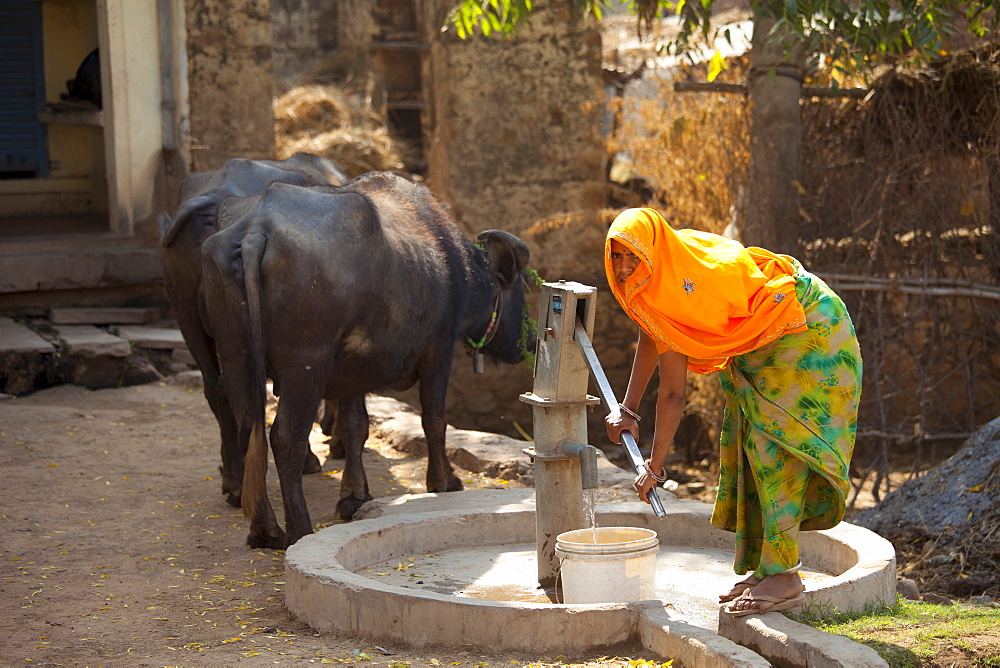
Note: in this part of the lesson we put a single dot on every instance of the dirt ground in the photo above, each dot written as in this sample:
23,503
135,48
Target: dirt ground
118,546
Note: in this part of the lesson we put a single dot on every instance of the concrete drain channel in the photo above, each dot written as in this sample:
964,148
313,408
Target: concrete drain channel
459,570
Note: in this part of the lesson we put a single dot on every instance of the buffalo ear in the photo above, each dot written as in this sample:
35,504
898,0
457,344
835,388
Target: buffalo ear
506,255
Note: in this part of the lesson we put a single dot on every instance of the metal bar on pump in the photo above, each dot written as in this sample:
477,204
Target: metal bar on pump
611,406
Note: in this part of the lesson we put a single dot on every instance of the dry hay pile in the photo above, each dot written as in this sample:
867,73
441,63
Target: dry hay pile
693,150
337,124
915,155
945,525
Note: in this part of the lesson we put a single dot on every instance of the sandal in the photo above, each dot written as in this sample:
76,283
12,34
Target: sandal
740,588
773,603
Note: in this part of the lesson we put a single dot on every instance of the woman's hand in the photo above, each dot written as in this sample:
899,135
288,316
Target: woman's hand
643,483
624,422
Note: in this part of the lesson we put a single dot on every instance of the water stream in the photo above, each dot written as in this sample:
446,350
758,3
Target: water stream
590,508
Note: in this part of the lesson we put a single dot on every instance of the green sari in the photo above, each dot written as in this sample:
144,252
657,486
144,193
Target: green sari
788,433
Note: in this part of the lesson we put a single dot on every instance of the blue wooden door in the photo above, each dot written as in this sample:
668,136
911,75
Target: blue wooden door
23,152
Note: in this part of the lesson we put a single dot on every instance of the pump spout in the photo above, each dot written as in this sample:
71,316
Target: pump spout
587,454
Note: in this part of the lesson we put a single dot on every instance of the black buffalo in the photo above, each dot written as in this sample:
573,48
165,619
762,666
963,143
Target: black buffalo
338,292
198,217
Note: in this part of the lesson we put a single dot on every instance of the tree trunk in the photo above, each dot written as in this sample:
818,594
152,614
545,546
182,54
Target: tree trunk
774,86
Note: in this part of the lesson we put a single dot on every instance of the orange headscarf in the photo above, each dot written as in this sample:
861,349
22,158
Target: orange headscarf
702,295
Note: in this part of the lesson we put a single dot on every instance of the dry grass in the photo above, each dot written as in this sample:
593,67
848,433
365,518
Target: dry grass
693,149
339,124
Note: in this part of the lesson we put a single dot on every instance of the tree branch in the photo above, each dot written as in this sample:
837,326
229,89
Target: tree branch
740,89
940,287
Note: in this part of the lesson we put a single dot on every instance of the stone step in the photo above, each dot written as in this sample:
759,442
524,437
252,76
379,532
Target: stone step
153,338
91,341
42,354
17,338
26,359
102,316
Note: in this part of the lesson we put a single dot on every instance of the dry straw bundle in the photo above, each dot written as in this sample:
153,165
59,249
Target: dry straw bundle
337,124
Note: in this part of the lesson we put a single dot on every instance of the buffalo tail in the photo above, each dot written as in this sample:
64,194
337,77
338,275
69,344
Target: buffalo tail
255,463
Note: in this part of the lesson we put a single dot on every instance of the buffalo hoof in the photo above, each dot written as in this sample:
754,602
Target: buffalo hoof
232,487
452,484
261,539
349,505
336,448
312,464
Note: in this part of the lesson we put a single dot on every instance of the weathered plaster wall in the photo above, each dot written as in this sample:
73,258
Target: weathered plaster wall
305,34
324,39
230,80
517,121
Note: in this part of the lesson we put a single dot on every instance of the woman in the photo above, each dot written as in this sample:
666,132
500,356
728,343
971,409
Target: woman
790,366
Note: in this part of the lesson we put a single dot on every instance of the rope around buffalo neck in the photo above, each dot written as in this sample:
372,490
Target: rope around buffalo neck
491,328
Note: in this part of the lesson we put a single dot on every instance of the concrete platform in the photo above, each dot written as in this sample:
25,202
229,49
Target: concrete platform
459,569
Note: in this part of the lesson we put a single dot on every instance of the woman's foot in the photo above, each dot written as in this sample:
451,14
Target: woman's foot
740,587
775,592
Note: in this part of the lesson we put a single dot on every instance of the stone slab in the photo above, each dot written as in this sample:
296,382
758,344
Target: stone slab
101,316
90,341
398,424
26,359
16,338
663,631
154,338
786,642
83,268
183,356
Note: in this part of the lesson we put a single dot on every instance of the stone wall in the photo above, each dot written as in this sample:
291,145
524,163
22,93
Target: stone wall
305,34
513,126
516,122
230,78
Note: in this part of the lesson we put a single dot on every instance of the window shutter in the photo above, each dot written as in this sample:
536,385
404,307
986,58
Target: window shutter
22,90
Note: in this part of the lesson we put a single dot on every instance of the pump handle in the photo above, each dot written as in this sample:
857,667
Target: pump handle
611,406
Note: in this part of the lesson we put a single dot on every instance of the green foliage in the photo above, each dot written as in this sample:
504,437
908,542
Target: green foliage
528,325
852,35
856,36
528,329
532,279
489,16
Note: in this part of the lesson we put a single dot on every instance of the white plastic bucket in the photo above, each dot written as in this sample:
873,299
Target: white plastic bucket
619,567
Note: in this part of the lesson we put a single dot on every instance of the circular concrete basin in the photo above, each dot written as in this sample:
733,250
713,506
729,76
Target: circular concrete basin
452,570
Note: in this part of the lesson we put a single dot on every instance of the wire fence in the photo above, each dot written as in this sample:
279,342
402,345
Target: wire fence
903,192
900,215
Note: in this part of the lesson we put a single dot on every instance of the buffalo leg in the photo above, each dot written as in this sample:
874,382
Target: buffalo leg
264,529
232,453
352,425
290,444
433,390
202,348
312,463
328,423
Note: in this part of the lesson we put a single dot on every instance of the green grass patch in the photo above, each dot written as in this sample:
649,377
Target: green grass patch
911,633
